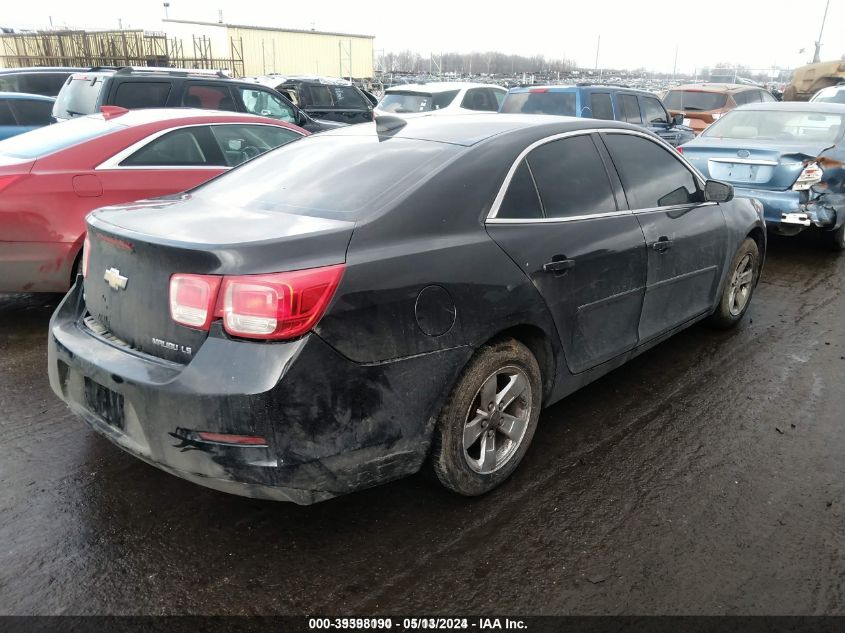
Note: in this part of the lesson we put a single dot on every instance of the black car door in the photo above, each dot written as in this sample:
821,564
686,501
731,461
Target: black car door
686,237
560,222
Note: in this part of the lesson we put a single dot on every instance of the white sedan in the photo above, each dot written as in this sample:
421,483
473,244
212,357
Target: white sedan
440,98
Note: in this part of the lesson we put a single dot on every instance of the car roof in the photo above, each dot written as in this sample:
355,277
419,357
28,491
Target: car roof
439,86
820,107
314,79
717,87
470,130
590,87
25,95
146,116
42,69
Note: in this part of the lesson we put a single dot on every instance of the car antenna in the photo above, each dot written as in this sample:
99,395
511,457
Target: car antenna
387,124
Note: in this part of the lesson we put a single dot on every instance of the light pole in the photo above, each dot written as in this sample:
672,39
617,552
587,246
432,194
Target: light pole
817,54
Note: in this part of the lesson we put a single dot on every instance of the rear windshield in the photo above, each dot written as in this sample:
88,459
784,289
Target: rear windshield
78,97
342,177
559,103
337,97
694,100
778,125
831,95
407,101
52,138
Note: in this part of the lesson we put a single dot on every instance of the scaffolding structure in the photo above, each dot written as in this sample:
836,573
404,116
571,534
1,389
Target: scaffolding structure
113,48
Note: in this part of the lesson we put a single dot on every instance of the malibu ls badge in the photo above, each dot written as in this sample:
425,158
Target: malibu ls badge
115,280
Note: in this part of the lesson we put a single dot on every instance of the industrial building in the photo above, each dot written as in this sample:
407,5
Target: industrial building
287,51
242,50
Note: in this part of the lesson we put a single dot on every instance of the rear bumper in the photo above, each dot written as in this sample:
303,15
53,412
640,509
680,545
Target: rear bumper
332,426
35,266
788,212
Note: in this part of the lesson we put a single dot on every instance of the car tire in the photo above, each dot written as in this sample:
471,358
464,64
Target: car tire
739,286
835,240
487,424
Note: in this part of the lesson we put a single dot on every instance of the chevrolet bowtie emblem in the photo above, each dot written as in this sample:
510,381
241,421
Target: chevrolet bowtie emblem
115,279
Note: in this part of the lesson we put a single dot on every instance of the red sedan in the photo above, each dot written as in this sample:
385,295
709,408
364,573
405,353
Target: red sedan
52,177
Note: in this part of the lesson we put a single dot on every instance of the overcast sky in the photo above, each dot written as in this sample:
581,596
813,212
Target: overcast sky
634,33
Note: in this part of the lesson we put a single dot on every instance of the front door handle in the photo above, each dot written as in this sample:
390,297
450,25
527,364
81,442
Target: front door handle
559,265
662,244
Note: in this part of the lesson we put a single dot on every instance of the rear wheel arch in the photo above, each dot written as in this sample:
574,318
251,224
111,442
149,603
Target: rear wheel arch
539,344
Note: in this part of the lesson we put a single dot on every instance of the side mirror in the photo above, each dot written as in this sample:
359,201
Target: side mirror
677,119
718,191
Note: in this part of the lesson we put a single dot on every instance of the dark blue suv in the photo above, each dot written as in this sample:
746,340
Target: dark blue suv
600,102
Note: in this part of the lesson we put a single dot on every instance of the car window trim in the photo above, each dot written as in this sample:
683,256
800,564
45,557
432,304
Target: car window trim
113,163
500,196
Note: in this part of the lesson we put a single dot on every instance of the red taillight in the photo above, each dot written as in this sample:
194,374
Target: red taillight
535,90
277,306
192,299
86,254
5,181
226,438
680,150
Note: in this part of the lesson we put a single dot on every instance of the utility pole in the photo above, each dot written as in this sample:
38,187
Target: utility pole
817,55
675,65
598,47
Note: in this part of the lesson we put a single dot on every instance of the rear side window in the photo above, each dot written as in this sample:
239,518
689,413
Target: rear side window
521,200
78,97
337,96
188,147
601,106
652,176
208,97
31,112
142,94
765,97
441,100
52,138
630,109
557,103
747,96
571,178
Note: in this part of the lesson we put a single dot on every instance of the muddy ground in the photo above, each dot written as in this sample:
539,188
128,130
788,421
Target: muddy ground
706,476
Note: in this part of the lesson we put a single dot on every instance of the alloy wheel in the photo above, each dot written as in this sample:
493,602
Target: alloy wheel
497,420
741,285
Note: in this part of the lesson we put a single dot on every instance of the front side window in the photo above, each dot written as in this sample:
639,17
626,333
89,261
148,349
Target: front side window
521,201
765,97
630,107
653,111
189,147
142,94
238,143
6,116
443,99
571,178
265,103
652,176
601,106
337,96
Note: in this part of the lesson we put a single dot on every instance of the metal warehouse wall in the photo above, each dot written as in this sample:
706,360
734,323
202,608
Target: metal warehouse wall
266,51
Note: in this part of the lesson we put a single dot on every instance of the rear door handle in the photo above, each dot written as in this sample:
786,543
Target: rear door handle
662,244
559,265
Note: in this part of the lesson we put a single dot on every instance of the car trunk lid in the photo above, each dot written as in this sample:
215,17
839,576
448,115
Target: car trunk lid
133,255
751,163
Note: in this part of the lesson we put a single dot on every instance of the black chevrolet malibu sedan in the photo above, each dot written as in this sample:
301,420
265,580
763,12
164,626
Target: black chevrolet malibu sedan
349,308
